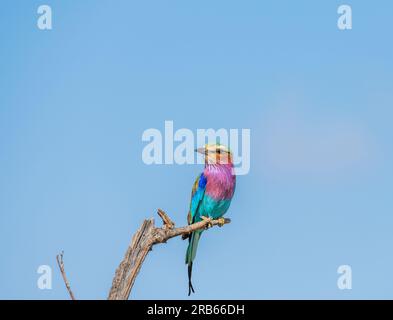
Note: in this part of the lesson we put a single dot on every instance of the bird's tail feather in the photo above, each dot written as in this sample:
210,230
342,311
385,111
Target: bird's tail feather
190,256
190,287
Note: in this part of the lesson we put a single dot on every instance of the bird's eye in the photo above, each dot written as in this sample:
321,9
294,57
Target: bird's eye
218,151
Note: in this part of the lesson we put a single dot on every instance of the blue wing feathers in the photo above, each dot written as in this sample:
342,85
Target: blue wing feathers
202,182
197,196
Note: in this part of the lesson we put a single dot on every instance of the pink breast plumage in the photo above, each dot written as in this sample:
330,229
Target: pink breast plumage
221,181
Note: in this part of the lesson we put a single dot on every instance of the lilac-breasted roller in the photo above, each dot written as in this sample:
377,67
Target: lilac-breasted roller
211,195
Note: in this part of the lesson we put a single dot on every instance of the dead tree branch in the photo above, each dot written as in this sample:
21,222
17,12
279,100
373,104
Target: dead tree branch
60,263
142,242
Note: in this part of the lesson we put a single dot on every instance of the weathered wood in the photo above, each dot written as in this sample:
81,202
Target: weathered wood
128,269
60,263
142,242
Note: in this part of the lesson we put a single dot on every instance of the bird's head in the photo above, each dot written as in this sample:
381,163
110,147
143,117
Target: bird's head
216,154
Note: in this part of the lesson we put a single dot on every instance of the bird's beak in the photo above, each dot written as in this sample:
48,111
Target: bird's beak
200,150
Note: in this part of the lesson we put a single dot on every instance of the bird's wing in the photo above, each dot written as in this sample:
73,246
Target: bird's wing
198,191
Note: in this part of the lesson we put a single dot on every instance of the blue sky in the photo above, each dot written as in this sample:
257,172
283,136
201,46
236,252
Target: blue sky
74,102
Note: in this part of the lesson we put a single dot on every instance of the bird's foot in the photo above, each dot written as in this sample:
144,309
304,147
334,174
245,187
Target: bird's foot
221,221
208,220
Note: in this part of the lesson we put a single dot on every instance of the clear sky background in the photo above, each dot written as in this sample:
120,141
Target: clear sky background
74,102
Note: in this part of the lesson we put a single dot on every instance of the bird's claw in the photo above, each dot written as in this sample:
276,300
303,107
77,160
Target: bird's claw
221,221
208,220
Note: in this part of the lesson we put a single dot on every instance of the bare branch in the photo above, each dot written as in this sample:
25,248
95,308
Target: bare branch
142,242
168,223
60,263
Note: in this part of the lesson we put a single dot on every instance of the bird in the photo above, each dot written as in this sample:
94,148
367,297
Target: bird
211,195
